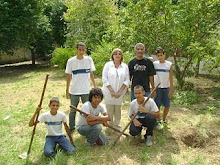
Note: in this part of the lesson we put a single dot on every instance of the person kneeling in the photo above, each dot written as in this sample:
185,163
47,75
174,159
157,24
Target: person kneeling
147,116
89,126
53,120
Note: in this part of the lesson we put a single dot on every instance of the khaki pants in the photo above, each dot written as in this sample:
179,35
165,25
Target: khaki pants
114,112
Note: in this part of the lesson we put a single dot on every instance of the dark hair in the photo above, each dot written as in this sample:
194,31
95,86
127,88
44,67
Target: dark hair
139,87
81,44
159,50
95,92
54,99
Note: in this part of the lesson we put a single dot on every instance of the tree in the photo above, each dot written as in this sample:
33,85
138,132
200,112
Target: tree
88,21
174,25
18,20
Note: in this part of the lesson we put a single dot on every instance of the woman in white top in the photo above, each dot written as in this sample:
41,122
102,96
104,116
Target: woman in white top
115,77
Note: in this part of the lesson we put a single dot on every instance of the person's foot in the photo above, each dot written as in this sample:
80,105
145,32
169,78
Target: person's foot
159,126
149,141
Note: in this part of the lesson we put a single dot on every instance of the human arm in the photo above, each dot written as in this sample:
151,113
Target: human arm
33,119
68,79
136,122
92,77
92,119
144,110
68,133
171,82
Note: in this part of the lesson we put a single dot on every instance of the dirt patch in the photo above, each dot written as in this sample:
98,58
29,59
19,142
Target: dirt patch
195,140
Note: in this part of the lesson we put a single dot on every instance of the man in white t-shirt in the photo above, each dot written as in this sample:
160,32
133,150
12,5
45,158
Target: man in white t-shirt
79,71
146,117
53,121
89,126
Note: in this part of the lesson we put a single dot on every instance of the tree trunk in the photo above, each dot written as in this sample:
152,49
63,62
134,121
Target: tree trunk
197,68
33,57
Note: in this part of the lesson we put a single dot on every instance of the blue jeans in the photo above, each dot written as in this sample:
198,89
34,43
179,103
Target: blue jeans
133,96
94,134
52,141
75,101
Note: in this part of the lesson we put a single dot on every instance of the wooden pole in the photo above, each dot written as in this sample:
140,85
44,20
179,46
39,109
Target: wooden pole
76,109
35,125
135,115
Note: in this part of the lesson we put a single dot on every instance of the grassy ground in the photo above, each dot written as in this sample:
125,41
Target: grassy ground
192,137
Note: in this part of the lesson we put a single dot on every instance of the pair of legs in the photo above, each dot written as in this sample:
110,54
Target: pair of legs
133,96
114,112
149,121
74,100
52,141
94,134
163,99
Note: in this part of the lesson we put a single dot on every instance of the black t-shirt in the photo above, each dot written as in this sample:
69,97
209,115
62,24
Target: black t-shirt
140,70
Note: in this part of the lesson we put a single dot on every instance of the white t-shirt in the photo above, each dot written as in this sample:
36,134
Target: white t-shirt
115,77
53,122
150,105
162,73
80,70
87,108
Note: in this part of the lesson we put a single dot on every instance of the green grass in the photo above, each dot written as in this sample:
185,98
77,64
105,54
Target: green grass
20,92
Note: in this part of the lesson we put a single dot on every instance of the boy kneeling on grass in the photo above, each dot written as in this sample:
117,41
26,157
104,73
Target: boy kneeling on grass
147,116
53,120
89,126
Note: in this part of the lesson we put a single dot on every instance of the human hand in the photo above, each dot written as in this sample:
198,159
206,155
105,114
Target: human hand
38,109
91,118
141,109
118,94
137,123
170,95
112,93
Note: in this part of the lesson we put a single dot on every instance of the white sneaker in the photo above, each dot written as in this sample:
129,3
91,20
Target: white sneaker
159,126
149,141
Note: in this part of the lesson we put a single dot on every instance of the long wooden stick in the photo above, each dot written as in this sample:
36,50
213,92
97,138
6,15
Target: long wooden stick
35,125
85,114
135,115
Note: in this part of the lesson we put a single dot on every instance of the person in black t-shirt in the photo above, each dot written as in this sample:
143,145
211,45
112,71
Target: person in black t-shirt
141,71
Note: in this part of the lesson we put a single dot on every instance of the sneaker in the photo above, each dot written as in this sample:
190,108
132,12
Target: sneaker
149,141
159,126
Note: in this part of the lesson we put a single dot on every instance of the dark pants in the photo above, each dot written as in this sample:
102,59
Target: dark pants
149,122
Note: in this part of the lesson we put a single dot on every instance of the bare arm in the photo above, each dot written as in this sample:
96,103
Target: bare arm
68,79
92,79
171,82
135,121
33,121
144,110
118,94
92,119
68,133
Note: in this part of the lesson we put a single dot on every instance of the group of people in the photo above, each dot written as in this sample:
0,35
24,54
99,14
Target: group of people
116,76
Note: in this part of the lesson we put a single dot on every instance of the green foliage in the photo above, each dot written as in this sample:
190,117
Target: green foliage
185,97
216,93
18,22
88,21
61,55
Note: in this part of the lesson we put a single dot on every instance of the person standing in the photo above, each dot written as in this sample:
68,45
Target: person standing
115,77
79,71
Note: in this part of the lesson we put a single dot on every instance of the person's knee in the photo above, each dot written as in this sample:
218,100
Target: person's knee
97,128
48,153
134,132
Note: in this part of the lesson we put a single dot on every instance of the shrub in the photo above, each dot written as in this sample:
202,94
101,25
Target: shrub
185,97
61,55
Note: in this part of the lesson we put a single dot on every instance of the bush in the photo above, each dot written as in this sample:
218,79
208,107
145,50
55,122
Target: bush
102,54
185,97
61,55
